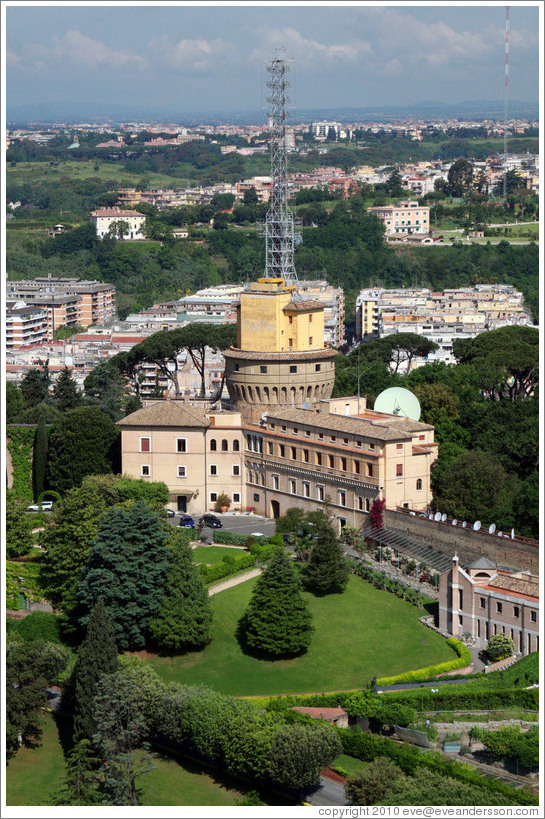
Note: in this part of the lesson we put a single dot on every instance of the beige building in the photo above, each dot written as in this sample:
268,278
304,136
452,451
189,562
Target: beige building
197,454
343,455
105,218
25,324
485,600
405,216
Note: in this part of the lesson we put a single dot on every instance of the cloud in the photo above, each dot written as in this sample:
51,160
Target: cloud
307,52
77,49
192,56
12,59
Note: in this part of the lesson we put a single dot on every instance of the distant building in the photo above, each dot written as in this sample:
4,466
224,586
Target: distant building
105,218
485,600
405,216
25,324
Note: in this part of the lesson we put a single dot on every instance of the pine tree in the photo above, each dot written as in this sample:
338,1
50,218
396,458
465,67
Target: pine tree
327,570
277,622
97,655
128,565
80,784
184,617
65,391
39,459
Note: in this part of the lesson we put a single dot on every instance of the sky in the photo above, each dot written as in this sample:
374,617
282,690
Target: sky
197,57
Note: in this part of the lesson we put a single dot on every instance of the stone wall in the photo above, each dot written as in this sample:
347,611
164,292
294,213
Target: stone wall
470,545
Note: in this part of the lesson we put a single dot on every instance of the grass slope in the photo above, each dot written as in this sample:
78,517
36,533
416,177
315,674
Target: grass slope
360,633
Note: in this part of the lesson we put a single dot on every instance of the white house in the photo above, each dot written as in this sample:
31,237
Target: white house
104,218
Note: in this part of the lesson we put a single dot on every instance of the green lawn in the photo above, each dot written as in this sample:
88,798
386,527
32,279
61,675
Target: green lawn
213,554
360,633
33,773
349,763
85,169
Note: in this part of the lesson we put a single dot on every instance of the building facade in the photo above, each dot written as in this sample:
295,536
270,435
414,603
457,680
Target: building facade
405,216
485,600
106,220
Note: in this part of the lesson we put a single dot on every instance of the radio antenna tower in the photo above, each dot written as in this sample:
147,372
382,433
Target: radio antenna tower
505,100
279,230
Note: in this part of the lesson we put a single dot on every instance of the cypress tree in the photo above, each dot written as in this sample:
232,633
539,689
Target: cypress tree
327,571
184,617
277,622
97,655
39,459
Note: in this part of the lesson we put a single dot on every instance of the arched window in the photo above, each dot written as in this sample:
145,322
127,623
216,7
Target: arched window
225,445
236,445
419,483
213,445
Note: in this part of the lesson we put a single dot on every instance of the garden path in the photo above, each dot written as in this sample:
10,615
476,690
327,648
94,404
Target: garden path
233,581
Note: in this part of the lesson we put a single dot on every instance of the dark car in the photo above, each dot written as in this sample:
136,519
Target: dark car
170,512
212,521
187,522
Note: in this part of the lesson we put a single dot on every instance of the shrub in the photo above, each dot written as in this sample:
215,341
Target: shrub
222,500
225,567
499,646
40,625
393,713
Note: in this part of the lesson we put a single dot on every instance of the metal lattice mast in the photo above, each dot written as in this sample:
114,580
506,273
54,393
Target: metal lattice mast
279,222
505,104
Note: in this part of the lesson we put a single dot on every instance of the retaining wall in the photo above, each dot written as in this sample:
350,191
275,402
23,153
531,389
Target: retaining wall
469,545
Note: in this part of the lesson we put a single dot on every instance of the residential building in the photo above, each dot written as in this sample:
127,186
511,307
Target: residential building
107,219
333,300
198,454
485,600
406,216
68,300
25,324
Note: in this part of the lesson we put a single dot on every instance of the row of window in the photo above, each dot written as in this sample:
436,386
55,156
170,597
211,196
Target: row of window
181,471
499,608
214,496
181,445
293,367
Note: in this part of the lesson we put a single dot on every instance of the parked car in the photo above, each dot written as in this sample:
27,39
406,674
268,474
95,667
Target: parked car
170,512
212,521
46,506
186,522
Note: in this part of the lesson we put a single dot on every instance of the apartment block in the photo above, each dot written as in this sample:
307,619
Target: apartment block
485,600
25,324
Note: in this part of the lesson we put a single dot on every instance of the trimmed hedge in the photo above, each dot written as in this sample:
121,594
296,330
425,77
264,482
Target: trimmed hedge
227,566
466,698
421,674
370,746
383,581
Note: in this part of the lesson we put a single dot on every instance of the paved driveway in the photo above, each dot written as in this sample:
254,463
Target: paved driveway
239,524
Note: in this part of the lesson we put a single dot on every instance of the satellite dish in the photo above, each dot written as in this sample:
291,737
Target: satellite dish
398,401
426,514
512,534
454,521
443,517
477,525
500,534
464,524
306,405
491,528
437,516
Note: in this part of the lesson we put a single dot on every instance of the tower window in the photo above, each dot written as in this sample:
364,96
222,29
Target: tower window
293,367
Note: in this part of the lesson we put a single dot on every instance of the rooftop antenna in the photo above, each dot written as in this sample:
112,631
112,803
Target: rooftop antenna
280,236
505,104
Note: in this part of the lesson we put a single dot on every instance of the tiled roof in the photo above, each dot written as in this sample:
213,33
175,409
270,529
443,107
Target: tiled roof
386,429
304,305
116,212
515,584
166,414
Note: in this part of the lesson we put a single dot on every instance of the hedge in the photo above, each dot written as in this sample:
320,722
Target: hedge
225,567
448,698
20,445
464,658
368,747
22,577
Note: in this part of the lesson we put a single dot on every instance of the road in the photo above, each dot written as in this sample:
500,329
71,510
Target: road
327,793
239,524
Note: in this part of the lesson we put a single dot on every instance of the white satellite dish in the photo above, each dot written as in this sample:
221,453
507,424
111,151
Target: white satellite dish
491,528
437,516
306,405
512,534
477,525
398,401
464,524
500,534
454,521
443,517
